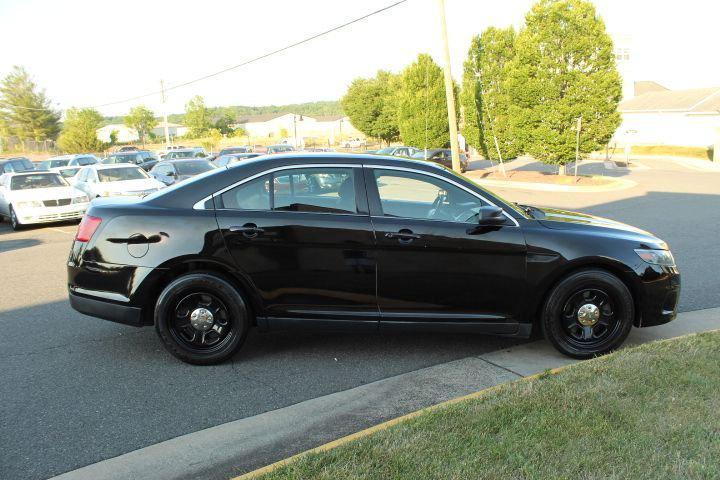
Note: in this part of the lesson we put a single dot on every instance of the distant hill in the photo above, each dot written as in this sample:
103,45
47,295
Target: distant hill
325,107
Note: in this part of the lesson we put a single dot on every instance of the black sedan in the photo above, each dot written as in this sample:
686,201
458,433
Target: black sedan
361,242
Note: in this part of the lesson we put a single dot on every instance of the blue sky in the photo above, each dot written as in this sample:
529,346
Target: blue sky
88,52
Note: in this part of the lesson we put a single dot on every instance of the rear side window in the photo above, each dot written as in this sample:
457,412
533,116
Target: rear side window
315,189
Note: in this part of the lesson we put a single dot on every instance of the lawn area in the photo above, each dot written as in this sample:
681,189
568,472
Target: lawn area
647,412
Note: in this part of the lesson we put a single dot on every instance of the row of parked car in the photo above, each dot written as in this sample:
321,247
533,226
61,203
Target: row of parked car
61,188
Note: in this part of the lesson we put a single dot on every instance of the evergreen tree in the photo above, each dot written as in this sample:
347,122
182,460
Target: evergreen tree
25,110
564,68
484,100
422,107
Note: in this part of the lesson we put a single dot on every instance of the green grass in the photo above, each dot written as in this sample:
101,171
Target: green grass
668,150
650,412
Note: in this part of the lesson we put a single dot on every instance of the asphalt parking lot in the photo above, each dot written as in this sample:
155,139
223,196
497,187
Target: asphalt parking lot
76,390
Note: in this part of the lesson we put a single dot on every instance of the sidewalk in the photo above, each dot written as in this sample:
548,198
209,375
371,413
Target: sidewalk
244,445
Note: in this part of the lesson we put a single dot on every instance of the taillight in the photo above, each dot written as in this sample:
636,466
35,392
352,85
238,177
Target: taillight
87,228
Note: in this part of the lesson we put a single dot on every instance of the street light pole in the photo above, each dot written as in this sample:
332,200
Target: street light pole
449,95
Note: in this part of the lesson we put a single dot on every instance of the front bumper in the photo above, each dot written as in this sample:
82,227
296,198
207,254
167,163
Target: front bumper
28,216
659,296
105,309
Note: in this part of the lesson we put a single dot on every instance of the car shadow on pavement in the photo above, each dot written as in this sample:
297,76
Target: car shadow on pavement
9,245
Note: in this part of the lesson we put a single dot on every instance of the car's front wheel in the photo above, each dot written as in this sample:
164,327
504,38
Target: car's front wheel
201,318
588,313
14,222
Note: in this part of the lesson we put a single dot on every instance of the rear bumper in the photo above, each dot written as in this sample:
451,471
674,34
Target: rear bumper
660,298
106,309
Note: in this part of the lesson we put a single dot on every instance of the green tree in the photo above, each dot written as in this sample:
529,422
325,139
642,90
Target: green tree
371,105
25,110
141,119
484,100
422,108
224,122
113,137
79,133
563,69
197,117
213,140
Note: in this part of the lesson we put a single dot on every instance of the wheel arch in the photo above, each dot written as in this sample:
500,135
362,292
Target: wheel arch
610,265
178,267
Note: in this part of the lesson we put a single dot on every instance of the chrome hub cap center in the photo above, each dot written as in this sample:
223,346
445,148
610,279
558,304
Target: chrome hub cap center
588,315
202,319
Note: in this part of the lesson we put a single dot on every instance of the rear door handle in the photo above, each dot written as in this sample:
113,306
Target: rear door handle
250,230
139,239
404,236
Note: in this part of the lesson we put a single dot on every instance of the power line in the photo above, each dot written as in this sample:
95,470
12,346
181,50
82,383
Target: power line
258,58
239,65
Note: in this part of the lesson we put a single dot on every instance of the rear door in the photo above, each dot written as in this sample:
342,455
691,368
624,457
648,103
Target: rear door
302,236
434,263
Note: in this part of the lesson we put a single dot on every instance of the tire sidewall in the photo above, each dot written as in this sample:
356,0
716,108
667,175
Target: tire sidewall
14,221
234,302
551,315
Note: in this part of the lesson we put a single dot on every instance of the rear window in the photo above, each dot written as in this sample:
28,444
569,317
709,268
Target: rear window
227,151
39,180
69,172
120,174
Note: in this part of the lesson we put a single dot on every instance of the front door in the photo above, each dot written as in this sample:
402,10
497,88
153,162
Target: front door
303,237
435,264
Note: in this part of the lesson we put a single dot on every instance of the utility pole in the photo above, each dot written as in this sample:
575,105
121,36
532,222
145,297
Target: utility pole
449,95
577,144
167,131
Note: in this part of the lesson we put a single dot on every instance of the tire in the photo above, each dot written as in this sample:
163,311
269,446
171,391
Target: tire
589,313
206,339
14,222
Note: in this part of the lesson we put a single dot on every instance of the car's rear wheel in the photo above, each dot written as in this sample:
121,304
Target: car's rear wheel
588,313
14,222
201,318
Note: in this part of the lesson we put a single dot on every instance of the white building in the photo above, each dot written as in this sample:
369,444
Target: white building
174,130
124,134
282,126
658,116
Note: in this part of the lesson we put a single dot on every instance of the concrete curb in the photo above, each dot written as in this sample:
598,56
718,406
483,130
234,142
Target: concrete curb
617,184
385,425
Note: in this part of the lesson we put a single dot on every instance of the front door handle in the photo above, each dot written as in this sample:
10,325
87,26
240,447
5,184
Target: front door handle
250,230
404,236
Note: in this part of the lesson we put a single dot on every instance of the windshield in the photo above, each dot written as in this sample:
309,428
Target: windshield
130,158
282,148
227,151
421,154
56,163
385,151
121,174
69,172
187,154
193,167
39,180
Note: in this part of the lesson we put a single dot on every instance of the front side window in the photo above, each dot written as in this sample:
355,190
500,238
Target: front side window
422,197
193,167
312,189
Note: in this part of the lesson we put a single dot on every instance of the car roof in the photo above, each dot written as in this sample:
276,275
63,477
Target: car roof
183,160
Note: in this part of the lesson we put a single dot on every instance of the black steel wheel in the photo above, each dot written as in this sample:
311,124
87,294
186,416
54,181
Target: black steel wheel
201,318
588,313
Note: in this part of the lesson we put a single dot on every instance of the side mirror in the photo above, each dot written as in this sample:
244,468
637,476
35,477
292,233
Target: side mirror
491,216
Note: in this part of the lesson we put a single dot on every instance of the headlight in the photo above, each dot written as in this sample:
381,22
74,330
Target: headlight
30,204
656,257
81,199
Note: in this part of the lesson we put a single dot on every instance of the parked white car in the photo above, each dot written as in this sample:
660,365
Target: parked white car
115,180
39,197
